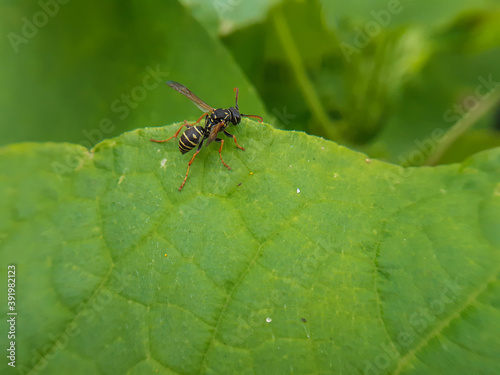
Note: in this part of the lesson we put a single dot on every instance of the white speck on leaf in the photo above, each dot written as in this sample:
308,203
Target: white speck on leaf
269,320
163,162
298,190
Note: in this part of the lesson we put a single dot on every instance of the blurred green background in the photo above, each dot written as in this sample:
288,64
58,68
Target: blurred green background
389,78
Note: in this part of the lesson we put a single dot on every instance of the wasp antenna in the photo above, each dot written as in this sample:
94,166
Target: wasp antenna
236,89
254,116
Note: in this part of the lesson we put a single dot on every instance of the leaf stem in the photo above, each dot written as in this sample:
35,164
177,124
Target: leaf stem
461,126
299,70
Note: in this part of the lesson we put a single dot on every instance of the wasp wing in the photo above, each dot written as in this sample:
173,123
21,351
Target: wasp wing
186,92
214,132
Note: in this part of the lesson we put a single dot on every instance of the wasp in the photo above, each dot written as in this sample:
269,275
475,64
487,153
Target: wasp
216,121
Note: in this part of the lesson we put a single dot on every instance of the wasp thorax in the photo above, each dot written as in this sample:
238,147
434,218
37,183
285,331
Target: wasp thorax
221,114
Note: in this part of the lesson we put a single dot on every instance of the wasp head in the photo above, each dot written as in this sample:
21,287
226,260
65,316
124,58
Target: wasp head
235,115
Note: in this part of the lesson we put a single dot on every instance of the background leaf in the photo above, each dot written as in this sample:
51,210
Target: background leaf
95,70
222,17
377,76
383,79
306,256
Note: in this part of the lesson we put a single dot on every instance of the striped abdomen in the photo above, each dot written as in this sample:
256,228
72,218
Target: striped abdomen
190,138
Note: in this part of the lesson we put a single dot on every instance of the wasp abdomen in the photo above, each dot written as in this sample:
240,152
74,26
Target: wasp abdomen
190,138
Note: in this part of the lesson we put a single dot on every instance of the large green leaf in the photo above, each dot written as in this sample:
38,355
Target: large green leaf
306,257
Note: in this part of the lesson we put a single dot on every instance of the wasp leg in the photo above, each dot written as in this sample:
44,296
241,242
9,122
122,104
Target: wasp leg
220,150
174,136
235,141
189,164
197,121
178,131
